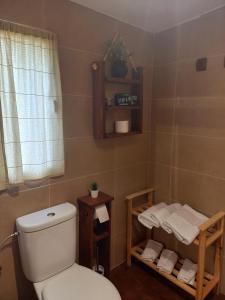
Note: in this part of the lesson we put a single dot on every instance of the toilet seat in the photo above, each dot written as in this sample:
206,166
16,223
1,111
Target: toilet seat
76,283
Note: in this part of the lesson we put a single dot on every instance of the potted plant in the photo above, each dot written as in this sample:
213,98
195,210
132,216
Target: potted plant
94,190
118,56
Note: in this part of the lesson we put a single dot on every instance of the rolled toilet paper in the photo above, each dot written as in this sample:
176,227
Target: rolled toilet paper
122,126
101,213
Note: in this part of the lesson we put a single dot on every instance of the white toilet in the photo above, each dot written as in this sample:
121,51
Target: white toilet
47,243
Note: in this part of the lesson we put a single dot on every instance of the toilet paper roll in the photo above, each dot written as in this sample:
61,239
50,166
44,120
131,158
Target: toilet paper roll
101,213
122,126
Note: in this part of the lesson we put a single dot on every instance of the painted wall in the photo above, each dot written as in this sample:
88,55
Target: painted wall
118,165
188,118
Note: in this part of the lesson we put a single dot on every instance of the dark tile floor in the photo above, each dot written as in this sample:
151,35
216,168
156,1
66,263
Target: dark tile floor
140,283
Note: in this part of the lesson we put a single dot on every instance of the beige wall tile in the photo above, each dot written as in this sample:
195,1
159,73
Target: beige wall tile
202,192
75,71
161,147
129,150
119,218
129,180
118,255
147,83
77,116
201,154
204,36
164,80
76,25
162,115
26,202
70,190
191,83
159,177
201,116
86,156
166,46
139,43
25,12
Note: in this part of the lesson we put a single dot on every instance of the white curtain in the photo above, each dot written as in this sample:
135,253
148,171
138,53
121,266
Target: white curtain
31,105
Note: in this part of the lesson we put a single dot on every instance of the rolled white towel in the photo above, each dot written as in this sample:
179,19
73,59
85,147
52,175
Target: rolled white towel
187,272
167,261
152,250
185,223
148,217
164,213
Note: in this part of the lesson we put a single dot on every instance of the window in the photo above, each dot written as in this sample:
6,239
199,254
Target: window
31,105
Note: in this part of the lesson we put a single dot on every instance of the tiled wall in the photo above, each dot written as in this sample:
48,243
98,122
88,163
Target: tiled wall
188,117
119,166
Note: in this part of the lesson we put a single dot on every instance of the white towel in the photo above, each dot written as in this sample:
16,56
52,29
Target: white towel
165,213
152,250
187,272
185,223
167,261
148,218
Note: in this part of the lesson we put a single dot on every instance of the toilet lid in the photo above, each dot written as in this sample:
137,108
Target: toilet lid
79,283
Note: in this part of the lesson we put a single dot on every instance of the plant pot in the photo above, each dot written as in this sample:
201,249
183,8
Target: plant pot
94,194
119,68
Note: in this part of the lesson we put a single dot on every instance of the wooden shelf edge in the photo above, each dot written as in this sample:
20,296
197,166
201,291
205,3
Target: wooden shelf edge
210,280
123,80
123,107
115,135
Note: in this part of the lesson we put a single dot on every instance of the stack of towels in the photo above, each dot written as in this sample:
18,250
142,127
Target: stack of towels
183,221
187,272
168,260
152,250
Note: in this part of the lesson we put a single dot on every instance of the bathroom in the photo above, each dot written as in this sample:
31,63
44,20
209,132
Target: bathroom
178,152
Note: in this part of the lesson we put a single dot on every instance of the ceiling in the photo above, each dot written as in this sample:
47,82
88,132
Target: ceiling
153,15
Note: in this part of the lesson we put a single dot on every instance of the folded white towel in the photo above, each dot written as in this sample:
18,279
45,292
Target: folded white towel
152,250
187,272
164,213
148,218
185,223
167,261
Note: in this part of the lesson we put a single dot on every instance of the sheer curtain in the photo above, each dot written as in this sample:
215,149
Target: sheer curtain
31,105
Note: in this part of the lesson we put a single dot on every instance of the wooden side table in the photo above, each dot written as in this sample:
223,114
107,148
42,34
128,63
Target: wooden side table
94,234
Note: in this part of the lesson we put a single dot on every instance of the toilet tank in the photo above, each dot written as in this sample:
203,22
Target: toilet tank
47,241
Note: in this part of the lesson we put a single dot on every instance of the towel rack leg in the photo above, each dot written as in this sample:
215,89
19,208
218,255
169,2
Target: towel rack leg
218,254
201,265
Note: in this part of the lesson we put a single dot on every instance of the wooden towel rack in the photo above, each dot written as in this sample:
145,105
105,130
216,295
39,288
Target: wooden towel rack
211,233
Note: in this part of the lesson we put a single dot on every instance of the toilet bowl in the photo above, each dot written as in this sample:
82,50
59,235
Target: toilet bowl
47,242
76,282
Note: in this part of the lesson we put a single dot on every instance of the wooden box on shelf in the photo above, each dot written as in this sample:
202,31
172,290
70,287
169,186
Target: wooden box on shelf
101,111
92,233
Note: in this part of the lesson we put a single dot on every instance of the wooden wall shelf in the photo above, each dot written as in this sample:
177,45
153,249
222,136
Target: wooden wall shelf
123,81
102,112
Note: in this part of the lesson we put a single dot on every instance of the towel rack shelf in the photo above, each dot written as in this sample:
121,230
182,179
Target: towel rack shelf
211,233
